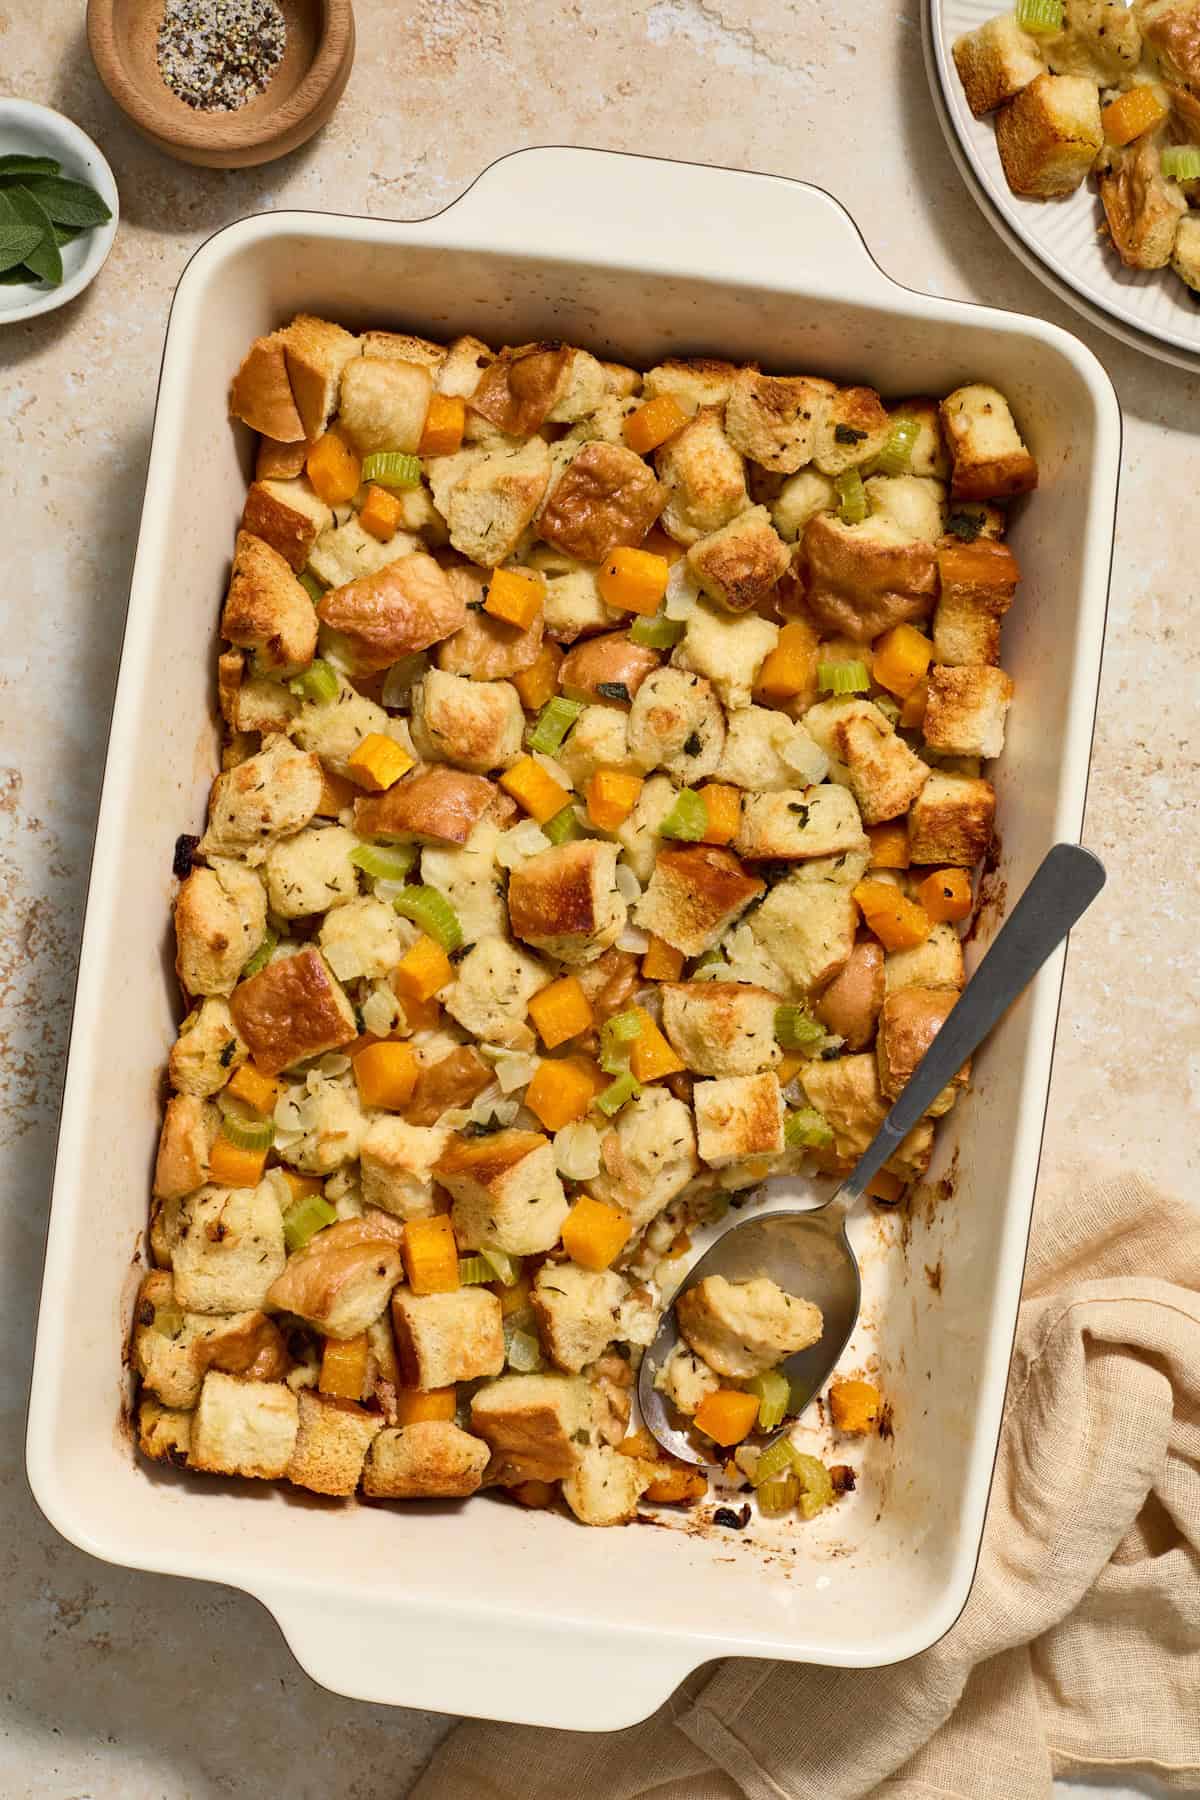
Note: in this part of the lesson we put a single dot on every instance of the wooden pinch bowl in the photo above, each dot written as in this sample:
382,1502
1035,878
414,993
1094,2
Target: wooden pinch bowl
301,95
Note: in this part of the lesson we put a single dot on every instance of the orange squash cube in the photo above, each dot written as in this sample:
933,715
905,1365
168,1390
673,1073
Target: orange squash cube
231,1166
901,658
788,1067
333,469
650,1055
889,845
898,923
561,1011
886,1187
430,1255
534,1494
381,513
945,895
423,971
419,1015
633,580
258,1091
539,682
442,432
854,1406
912,709
386,1075
299,1186
653,423
791,667
595,1232
727,1416
611,797
413,1407
639,1443
1132,114
515,597
561,1092
533,788
662,961
724,808
677,1486
344,1367
379,762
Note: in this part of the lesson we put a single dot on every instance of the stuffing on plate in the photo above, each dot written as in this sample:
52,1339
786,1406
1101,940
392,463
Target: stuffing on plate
1084,87
602,785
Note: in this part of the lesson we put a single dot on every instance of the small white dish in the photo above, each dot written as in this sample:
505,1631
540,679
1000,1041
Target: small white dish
1060,241
27,129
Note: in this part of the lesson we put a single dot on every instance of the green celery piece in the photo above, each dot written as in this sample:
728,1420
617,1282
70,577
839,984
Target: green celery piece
17,243
19,206
68,202
19,167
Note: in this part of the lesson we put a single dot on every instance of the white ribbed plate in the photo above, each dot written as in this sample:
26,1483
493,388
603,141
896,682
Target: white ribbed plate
1059,240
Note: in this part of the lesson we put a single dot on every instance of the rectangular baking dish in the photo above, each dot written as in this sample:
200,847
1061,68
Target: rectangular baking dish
488,1609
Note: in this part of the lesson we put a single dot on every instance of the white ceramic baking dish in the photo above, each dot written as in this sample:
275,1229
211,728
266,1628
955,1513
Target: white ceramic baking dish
488,1609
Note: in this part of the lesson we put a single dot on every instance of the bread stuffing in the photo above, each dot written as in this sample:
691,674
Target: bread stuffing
605,777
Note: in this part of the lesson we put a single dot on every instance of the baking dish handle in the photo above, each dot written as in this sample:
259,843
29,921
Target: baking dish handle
682,218
567,1675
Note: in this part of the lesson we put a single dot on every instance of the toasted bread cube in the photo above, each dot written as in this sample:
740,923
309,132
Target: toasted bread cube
433,1460
244,1427
807,930
694,897
288,516
317,353
1049,137
291,1010
189,1129
685,1379
344,552
885,775
1101,39
765,752
604,1488
647,1157
164,1433
937,963
913,1157
852,430
270,795
599,741
565,901
494,983
737,1117
605,496
363,938
796,823
721,1027
995,62
966,710
207,1050
332,1441
704,479
978,582
228,1248
311,872
471,882
256,704
692,381
397,1166
261,392
403,346
266,609
908,1023
506,1190
800,499
582,389
728,652
774,419
847,1094
740,564
576,1312
573,605
532,1424
951,820
340,1281
677,723
383,403
860,580
174,1367
333,729
518,388
1142,207
276,461
989,456
220,921
742,1328
444,1338
478,725
434,806
914,504
1185,257
488,496
404,607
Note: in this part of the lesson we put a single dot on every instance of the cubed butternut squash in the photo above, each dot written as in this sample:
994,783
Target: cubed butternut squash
442,432
650,1055
386,1075
413,1407
539,682
333,469
945,895
889,845
791,667
381,513
430,1255
534,789
515,597
423,971
378,763
727,1416
258,1091
611,796
344,1367
561,1011
900,659
633,580
594,1233
561,1091
231,1166
652,424
898,923
723,806
662,961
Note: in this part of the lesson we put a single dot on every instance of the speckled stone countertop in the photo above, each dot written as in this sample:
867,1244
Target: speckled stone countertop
115,1684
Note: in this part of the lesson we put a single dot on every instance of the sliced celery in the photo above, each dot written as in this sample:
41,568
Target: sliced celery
304,1218
772,1390
1181,162
505,1268
616,1036
384,862
249,1133
562,827
524,1352
262,955
778,1495
843,677
616,1094
816,1484
553,723
795,1029
392,468
656,632
805,1129
433,913
896,456
1040,15
775,1460
687,819
473,1271
313,586
852,497
318,683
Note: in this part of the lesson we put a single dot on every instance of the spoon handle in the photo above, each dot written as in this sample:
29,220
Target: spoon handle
1060,893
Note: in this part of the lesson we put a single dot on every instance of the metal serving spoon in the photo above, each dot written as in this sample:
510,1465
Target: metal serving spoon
808,1253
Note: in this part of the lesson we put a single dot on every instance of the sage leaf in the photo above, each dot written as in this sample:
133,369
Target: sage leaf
17,242
28,165
68,202
44,258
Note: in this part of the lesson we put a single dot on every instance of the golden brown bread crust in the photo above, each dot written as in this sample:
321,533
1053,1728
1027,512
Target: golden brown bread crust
699,890
519,389
339,1275
1049,135
612,659
1172,30
292,1009
740,565
316,351
437,804
261,393
908,1023
431,1460
288,529
849,1006
485,1160
485,648
703,477
557,894
402,608
248,1344
977,583
331,1443
266,609
454,1080
774,418
951,820
280,462
1143,210
605,496
189,1128
444,1338
862,582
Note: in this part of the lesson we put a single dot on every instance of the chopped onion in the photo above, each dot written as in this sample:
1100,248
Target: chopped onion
633,940
387,891
515,846
800,751
683,591
515,1071
333,1063
381,1011
402,677
553,768
577,1151
628,885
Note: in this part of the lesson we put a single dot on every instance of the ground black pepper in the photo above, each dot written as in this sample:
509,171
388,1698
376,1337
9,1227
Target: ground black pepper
216,55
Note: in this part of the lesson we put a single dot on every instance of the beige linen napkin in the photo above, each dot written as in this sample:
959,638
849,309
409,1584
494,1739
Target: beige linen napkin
1080,1644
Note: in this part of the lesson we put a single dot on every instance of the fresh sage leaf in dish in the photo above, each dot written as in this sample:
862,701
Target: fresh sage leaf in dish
68,202
16,244
21,166
44,258
40,211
